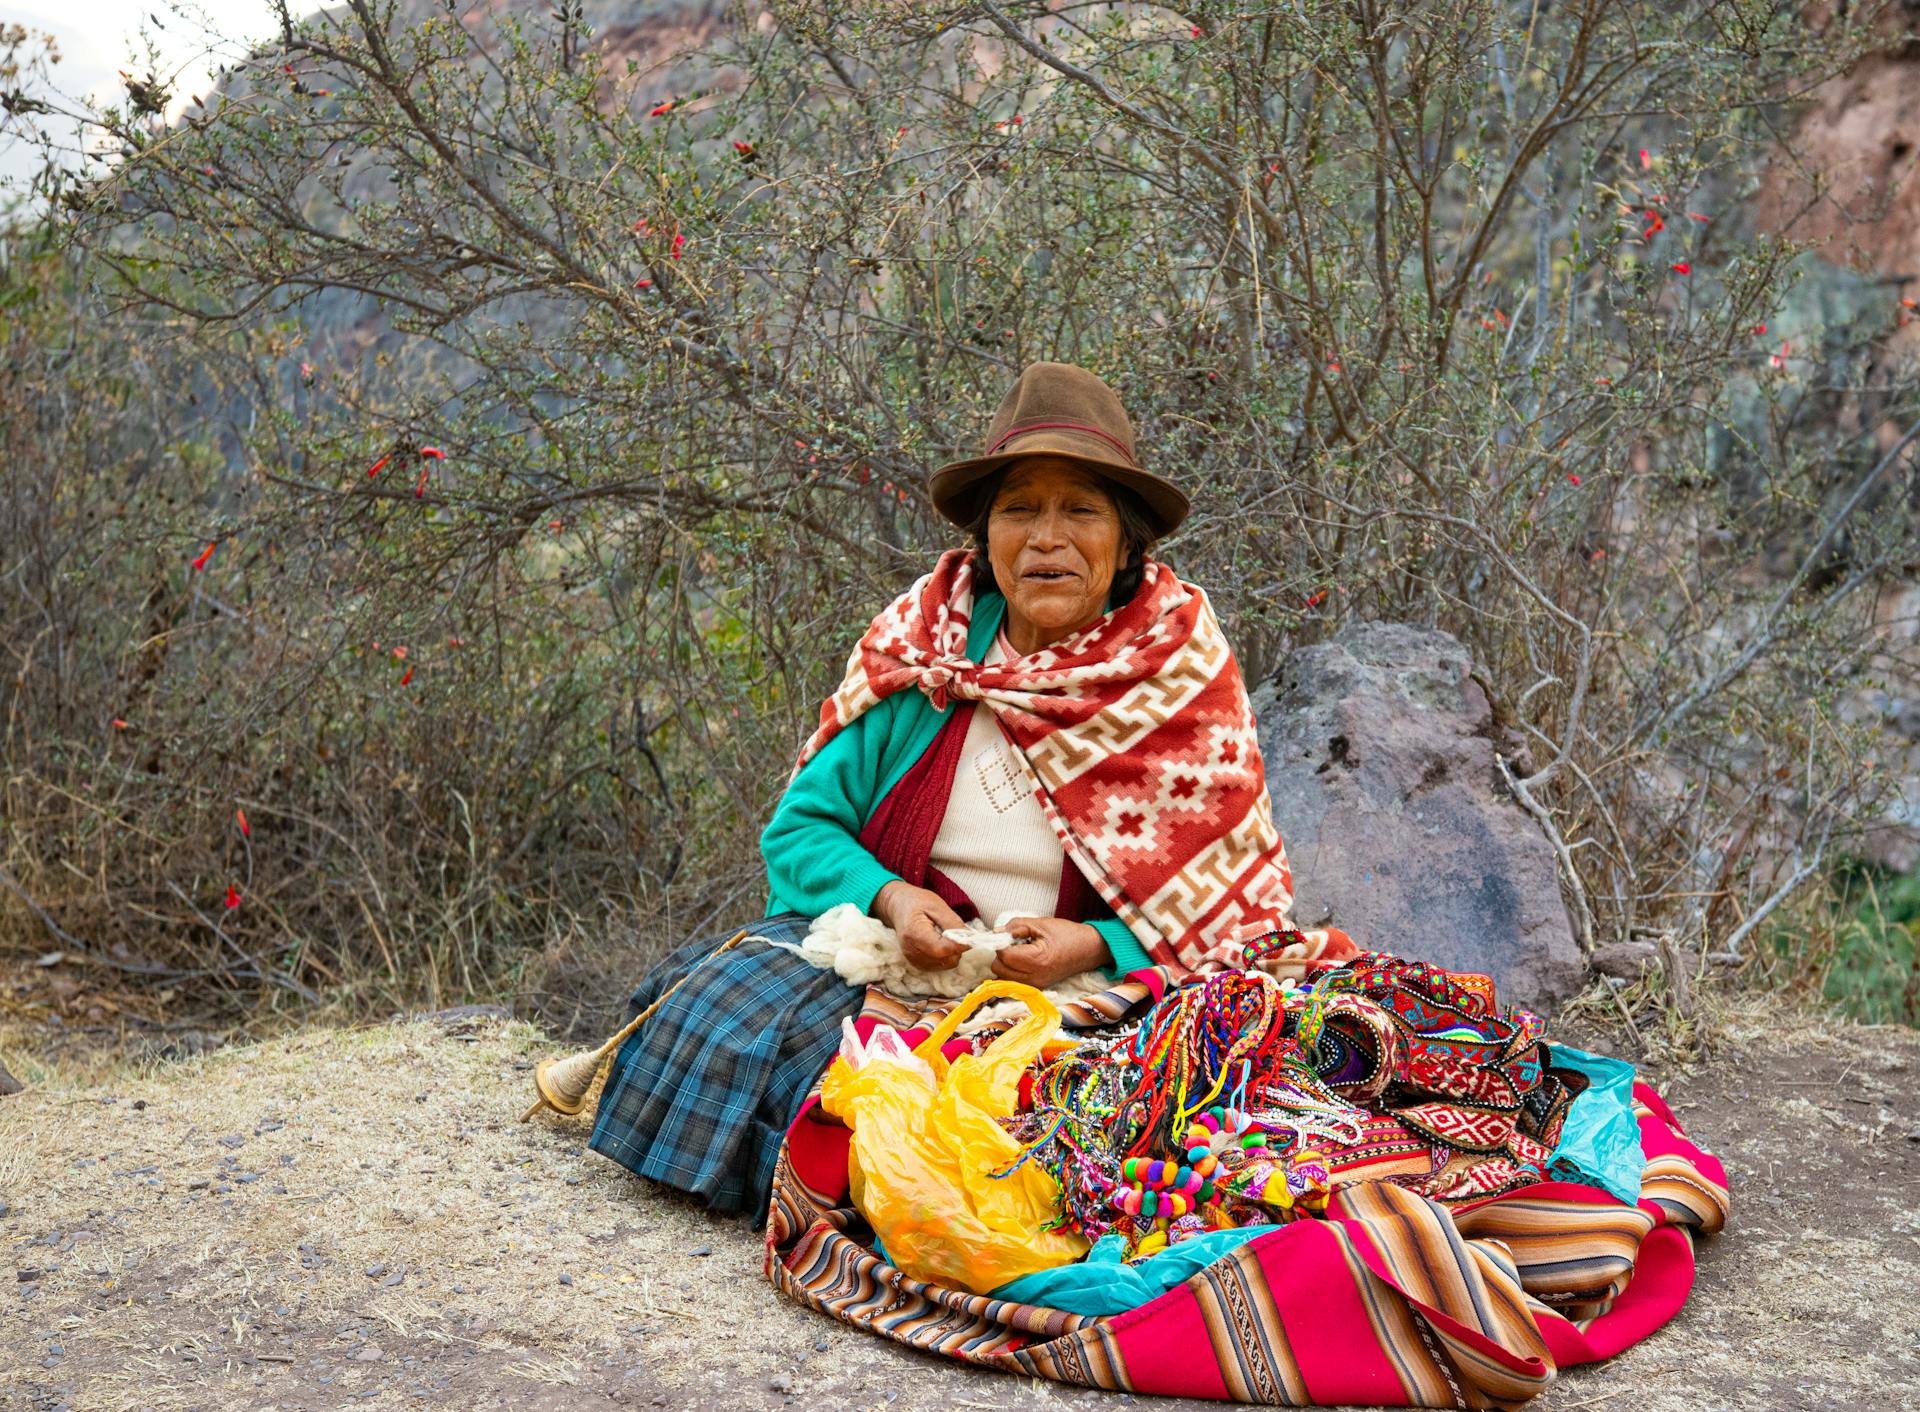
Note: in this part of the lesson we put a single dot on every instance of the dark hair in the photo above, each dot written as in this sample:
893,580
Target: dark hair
1138,531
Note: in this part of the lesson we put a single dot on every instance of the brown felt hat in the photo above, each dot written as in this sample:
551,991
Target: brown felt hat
1057,409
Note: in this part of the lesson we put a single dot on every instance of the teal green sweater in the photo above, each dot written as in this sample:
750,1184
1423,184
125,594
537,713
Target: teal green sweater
812,843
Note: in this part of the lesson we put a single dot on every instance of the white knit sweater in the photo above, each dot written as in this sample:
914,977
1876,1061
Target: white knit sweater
994,841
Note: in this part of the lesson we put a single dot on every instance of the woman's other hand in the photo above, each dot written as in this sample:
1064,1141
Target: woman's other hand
1052,949
919,916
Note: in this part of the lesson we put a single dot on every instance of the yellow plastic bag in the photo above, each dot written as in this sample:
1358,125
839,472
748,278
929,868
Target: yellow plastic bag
923,1154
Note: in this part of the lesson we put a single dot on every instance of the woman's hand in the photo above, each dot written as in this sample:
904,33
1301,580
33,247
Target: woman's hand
919,916
1054,949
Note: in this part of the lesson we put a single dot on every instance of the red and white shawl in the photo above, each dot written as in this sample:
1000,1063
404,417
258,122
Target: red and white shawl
1137,737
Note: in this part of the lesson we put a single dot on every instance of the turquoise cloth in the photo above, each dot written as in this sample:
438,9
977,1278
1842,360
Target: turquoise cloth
1104,1283
812,843
1600,1141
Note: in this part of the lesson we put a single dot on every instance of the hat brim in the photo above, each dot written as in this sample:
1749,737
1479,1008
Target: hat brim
957,486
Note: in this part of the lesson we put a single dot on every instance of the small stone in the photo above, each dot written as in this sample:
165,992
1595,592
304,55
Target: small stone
27,1276
1624,959
370,1354
820,1345
780,1382
573,1181
391,1280
233,1140
701,1250
376,1270
566,1279
245,1178
1914,1136
197,1184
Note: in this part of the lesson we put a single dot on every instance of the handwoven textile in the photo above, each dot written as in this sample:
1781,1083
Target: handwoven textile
1393,1298
1135,734
699,1097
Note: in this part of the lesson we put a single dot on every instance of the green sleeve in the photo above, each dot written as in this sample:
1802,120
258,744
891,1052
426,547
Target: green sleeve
812,843
1128,954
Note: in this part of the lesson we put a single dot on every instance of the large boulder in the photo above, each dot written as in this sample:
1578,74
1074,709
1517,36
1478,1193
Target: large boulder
1379,754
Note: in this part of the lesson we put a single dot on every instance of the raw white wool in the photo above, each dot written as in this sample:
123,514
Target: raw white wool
864,950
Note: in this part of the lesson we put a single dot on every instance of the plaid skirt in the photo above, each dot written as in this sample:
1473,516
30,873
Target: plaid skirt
701,1096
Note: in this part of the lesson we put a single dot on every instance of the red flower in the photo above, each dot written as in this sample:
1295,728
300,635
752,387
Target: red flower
1696,216
119,724
240,817
1657,225
433,453
1759,328
1196,32
378,466
205,554
399,653
1681,267
745,149
665,107
407,676
1573,480
1646,162
643,284
233,897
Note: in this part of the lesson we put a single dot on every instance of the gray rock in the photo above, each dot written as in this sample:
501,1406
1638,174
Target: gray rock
8,1083
1379,756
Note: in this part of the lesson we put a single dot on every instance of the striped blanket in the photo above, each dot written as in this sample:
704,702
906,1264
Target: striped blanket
1393,1299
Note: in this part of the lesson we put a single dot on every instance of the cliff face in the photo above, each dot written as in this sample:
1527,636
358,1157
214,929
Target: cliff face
1847,180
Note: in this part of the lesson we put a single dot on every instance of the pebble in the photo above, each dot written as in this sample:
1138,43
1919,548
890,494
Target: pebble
1913,1136
391,1280
566,1279
370,1354
233,1140
701,1250
820,1345
197,1184
780,1382
246,1177
375,1271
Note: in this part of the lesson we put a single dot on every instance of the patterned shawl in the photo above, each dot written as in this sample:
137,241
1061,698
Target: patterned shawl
1136,735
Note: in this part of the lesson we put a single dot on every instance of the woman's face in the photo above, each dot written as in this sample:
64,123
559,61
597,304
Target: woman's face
1053,538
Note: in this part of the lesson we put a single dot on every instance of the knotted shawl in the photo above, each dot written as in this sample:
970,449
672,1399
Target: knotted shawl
1135,734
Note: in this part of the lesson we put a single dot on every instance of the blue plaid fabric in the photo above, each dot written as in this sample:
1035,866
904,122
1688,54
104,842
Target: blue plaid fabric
701,1095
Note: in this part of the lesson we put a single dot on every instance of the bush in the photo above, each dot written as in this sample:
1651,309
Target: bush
1440,316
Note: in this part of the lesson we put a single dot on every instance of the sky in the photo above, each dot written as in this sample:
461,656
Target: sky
98,37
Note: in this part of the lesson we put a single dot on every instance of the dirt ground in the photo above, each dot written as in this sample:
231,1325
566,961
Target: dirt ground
356,1218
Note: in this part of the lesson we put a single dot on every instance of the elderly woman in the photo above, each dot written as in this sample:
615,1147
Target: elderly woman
1049,724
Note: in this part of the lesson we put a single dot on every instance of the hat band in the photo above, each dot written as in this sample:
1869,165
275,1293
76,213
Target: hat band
1012,432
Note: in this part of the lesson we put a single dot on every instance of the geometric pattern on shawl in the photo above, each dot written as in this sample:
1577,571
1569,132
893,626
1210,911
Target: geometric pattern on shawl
1136,736
1391,1299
